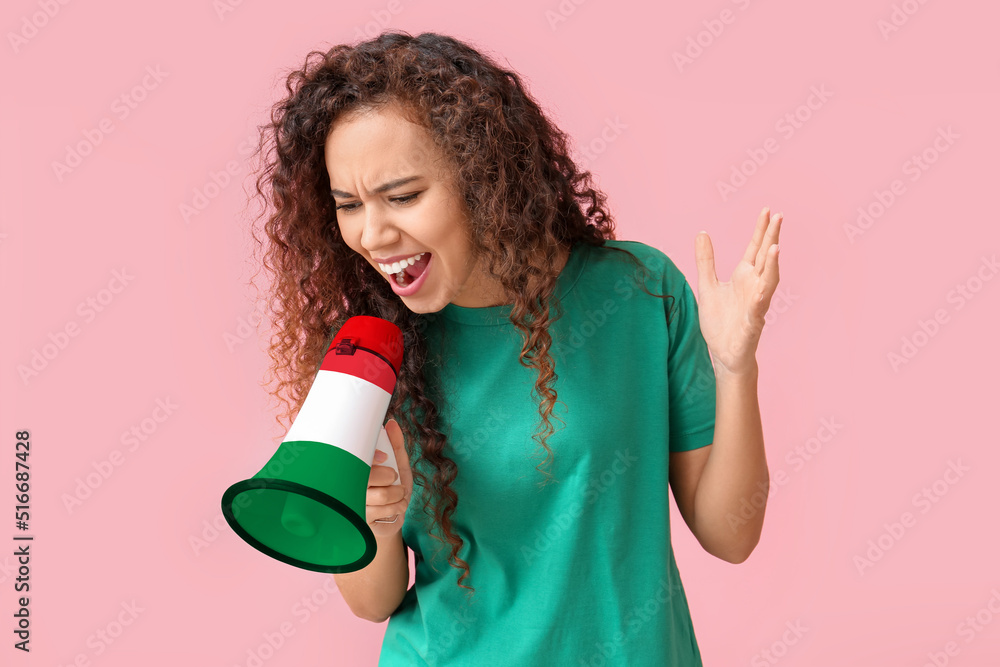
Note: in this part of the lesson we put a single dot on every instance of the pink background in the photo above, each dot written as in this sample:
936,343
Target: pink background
844,306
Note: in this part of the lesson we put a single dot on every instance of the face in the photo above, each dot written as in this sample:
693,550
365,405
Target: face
420,212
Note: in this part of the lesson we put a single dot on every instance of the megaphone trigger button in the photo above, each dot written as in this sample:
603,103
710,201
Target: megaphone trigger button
346,346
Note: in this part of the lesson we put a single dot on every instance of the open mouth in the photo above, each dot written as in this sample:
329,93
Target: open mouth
409,274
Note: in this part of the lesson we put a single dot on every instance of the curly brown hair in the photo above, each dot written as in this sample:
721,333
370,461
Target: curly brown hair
524,196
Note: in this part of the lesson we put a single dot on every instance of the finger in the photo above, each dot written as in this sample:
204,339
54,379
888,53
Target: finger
402,457
384,495
400,508
373,512
704,256
758,236
768,282
385,512
771,276
769,239
381,476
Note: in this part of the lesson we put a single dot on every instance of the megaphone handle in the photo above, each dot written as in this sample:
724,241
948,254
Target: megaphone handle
383,444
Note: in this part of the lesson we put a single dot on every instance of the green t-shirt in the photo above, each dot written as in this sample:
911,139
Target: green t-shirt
582,571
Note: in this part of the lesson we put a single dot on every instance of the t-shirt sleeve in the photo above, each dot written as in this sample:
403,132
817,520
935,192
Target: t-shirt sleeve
690,374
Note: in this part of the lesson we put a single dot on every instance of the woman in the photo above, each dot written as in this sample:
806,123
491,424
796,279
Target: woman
415,180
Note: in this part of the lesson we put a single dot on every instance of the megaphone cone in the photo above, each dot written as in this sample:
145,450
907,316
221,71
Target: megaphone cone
306,506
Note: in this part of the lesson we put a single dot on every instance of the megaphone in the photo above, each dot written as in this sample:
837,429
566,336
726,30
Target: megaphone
306,506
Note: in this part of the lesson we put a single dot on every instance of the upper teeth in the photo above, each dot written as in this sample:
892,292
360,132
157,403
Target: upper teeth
396,267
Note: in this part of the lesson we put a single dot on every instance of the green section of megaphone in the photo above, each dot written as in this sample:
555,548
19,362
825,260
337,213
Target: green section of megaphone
306,507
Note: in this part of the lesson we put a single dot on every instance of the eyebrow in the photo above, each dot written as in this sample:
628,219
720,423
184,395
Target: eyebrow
380,189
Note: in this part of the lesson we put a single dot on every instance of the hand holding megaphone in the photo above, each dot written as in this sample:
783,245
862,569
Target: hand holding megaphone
390,484
310,505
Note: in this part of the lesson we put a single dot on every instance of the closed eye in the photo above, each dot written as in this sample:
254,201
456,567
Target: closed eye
400,200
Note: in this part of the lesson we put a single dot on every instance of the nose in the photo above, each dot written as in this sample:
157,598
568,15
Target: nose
378,230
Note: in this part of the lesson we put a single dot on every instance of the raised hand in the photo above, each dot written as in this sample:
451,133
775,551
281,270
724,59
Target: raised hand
731,314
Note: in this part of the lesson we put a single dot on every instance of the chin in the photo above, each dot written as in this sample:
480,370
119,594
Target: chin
419,306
